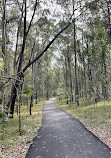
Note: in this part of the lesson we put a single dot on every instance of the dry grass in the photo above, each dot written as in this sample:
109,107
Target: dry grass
14,145
96,117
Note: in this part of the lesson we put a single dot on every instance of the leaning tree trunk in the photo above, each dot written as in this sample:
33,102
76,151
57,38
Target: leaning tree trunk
35,59
19,73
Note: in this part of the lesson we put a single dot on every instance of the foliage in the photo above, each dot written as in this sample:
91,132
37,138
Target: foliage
2,64
27,91
12,139
3,123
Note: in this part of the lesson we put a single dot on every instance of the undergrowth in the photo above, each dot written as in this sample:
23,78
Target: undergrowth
30,124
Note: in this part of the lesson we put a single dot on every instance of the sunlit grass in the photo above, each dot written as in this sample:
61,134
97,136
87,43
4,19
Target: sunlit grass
94,115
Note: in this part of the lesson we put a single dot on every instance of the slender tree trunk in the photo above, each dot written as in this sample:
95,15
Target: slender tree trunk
85,83
79,81
31,103
47,82
47,88
75,53
14,95
69,65
4,48
14,91
17,109
109,17
36,97
20,103
16,49
66,79
4,31
104,72
82,84
19,68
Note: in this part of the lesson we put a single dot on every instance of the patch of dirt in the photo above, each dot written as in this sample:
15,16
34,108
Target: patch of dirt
17,151
101,133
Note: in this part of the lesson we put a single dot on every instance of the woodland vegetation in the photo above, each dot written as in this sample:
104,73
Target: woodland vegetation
59,48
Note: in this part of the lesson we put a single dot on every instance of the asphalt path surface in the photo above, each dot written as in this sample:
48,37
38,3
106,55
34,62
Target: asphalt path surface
63,136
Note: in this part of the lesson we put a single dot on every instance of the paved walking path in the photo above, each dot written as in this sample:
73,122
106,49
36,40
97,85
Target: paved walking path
63,136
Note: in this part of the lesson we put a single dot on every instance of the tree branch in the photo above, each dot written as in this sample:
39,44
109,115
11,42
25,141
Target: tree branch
50,43
32,18
25,36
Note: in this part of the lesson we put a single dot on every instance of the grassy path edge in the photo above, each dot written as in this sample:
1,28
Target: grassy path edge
101,133
19,148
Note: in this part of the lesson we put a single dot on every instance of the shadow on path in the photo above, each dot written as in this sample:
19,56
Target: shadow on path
63,136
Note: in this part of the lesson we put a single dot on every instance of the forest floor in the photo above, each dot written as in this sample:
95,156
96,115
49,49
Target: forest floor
96,117
14,145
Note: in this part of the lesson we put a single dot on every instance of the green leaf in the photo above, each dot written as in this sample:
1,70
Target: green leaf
0,50
27,91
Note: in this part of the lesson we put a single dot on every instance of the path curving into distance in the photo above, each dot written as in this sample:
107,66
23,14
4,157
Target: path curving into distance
63,136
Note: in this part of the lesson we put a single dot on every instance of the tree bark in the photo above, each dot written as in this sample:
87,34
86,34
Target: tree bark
66,80
19,74
109,17
4,48
18,31
4,31
31,104
71,92
14,92
36,97
75,53
39,54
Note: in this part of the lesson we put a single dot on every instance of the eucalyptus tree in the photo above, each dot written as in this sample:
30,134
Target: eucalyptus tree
94,55
31,62
91,51
24,25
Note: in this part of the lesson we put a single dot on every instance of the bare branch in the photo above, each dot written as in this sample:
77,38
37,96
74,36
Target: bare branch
50,43
32,18
20,22
25,36
9,78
